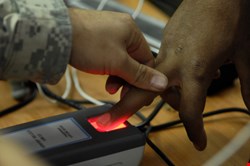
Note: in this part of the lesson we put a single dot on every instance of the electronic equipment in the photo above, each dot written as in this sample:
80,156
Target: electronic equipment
73,139
167,6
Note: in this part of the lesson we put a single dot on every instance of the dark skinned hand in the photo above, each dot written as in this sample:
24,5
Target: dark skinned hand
200,37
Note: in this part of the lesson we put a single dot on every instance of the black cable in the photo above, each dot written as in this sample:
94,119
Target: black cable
152,115
163,156
21,104
140,115
221,111
147,128
51,95
159,152
226,110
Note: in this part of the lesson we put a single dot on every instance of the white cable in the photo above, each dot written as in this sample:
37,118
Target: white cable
152,41
68,84
101,4
231,148
154,44
138,9
39,88
81,92
136,12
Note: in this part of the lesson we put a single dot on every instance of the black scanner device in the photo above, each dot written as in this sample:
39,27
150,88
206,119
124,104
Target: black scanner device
70,139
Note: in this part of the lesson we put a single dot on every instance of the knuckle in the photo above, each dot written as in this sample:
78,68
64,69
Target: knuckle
141,74
127,22
199,70
127,19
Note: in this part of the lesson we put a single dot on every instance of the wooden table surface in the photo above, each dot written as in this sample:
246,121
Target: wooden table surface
173,142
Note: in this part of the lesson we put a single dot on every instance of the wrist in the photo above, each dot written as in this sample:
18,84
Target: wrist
76,34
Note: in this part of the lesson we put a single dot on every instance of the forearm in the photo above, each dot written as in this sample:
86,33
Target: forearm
35,40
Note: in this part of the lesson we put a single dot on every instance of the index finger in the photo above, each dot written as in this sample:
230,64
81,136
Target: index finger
134,100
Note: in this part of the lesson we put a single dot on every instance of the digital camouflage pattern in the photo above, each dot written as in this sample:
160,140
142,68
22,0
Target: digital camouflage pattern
35,40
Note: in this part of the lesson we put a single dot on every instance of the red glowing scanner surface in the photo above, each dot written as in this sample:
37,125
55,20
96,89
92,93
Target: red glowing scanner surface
93,120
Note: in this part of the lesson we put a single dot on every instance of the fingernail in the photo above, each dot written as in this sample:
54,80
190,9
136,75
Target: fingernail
104,119
112,91
159,82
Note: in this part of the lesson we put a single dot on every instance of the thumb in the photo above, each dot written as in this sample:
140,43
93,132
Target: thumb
141,76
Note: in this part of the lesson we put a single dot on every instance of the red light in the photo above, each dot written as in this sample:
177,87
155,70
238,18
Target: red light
93,120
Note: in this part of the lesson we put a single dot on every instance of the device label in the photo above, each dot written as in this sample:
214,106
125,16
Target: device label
50,135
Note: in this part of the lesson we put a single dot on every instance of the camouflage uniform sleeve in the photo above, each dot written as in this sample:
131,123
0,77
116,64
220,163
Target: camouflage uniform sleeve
35,40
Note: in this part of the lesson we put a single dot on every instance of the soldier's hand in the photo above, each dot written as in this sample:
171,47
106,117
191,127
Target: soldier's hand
110,43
